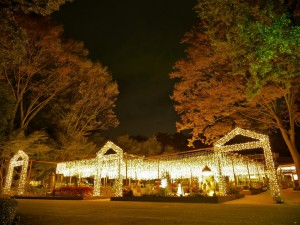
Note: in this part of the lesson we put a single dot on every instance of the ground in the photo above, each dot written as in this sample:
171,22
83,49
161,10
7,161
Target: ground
257,209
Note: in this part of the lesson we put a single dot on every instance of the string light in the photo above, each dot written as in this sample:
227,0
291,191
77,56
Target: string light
19,159
179,167
222,163
109,165
263,143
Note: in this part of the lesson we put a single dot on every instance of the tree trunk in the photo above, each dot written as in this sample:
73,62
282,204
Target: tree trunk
288,134
293,150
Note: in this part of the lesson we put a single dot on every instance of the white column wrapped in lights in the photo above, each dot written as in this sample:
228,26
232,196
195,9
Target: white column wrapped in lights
97,177
263,142
19,159
221,178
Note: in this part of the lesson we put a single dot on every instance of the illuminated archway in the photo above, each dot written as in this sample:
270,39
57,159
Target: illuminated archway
262,141
19,159
101,161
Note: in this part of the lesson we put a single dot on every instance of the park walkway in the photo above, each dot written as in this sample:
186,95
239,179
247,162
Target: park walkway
288,195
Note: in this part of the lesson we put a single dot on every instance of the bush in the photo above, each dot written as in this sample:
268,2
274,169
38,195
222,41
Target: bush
8,210
76,191
128,193
161,191
234,190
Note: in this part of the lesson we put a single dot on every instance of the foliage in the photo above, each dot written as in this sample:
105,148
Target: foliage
14,50
52,67
210,100
241,69
40,171
86,106
75,148
8,209
41,7
7,104
207,96
36,145
259,42
148,147
161,143
48,83
41,74
75,191
172,142
12,37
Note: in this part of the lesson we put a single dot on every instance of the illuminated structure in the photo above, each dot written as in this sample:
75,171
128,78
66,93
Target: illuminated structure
222,162
215,169
104,165
19,159
288,175
262,141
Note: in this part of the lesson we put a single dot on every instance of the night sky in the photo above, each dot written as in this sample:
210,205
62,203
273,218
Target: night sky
139,42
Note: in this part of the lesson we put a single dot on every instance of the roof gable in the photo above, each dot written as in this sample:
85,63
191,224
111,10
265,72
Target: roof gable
107,147
260,139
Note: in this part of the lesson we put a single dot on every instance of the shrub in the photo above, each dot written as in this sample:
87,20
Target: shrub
75,191
8,210
161,191
128,193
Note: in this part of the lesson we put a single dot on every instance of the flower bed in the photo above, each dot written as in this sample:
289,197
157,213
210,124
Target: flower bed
187,199
74,191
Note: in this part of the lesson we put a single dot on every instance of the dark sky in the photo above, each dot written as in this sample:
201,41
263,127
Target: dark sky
139,42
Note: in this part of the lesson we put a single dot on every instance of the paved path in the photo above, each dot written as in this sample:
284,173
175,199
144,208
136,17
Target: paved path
288,195
257,209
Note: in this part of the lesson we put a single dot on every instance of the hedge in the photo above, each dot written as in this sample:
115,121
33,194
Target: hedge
8,211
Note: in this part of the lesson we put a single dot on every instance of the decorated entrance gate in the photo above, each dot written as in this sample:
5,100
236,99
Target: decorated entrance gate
19,159
261,141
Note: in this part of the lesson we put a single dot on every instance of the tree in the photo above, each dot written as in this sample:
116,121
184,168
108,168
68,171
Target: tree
7,105
148,147
12,37
13,44
172,143
257,46
84,107
45,71
35,145
87,104
207,96
41,74
40,7
129,145
52,67
152,147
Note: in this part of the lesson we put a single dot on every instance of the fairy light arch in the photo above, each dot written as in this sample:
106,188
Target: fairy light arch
261,141
19,159
101,160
